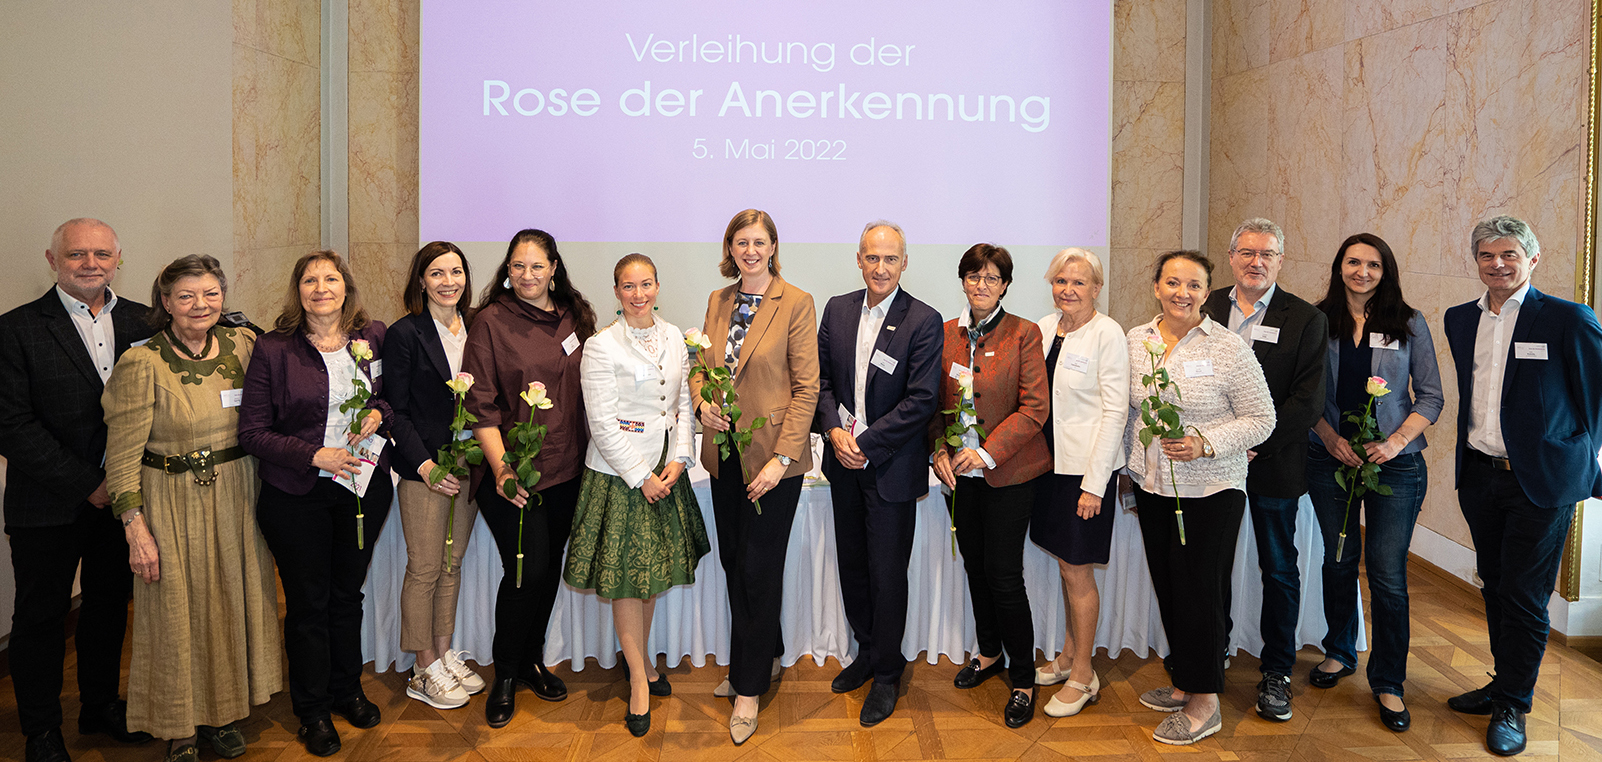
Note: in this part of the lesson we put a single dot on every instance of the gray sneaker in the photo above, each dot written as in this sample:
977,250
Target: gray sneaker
1162,699
1175,729
1273,697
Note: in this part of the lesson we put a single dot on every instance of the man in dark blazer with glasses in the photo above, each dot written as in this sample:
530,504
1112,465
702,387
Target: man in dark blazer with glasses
56,353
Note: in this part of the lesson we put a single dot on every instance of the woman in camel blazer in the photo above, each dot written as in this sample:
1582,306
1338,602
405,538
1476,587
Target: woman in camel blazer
765,330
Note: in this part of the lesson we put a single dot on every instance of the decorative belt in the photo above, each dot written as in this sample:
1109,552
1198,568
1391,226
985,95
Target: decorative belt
1498,463
202,462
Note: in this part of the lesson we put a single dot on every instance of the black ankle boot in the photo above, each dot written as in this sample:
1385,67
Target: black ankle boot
502,702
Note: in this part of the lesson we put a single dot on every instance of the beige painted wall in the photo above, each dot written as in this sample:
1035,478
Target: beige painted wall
1411,119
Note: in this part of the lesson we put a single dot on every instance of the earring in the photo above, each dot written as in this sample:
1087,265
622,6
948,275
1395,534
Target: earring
507,283
654,308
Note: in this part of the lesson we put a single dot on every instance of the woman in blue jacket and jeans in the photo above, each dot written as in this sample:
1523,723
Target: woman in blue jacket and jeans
1373,332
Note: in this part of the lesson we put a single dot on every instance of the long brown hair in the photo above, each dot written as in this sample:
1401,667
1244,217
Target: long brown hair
562,292
194,265
293,316
413,297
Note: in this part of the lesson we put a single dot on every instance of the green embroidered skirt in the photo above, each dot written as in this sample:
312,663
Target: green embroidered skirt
625,547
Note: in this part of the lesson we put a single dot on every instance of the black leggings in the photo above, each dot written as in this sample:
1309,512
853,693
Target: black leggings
523,613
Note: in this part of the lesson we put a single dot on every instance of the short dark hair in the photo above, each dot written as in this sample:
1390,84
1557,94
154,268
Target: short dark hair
413,297
191,266
1190,254
293,316
981,254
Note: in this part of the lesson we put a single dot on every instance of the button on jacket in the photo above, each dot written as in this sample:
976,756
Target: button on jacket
633,398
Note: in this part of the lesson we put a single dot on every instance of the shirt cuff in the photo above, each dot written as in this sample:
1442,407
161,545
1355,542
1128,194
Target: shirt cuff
985,456
127,501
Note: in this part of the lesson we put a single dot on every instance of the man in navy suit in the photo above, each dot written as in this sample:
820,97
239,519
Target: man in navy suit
56,353
879,356
1529,428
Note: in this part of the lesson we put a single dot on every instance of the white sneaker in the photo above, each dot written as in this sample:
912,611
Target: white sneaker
436,687
457,666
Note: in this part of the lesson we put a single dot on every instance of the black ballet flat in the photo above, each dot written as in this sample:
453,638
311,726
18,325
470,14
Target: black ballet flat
660,686
1318,678
638,724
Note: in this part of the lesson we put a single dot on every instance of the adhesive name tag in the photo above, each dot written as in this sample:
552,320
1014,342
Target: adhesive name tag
1198,368
1075,362
643,371
1529,350
884,362
957,369
633,427
232,397
570,344
1266,333
1381,341
376,368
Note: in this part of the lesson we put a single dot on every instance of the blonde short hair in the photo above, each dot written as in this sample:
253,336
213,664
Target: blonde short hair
1075,254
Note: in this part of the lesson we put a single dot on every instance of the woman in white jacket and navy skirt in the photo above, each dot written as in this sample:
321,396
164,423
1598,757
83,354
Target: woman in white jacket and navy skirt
637,530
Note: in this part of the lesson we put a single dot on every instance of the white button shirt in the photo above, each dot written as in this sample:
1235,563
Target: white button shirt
868,327
1490,366
1239,321
97,332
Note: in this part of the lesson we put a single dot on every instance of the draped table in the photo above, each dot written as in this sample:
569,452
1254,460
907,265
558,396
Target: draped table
693,620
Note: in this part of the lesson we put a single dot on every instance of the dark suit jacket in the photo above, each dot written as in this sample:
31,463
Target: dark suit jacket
1294,369
1010,396
285,407
899,404
1551,414
52,429
415,372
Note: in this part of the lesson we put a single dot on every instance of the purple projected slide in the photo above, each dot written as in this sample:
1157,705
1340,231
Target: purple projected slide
657,121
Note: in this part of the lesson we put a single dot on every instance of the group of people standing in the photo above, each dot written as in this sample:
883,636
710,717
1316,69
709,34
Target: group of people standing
573,441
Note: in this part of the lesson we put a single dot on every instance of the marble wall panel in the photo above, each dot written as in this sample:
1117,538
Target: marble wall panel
1394,143
384,35
1148,171
1304,168
1240,36
380,269
259,281
1238,155
1129,298
383,157
1149,40
1302,26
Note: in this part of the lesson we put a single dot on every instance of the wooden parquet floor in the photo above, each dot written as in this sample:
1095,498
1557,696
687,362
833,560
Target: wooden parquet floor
802,720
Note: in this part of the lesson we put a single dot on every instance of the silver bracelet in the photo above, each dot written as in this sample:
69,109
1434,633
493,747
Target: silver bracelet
128,520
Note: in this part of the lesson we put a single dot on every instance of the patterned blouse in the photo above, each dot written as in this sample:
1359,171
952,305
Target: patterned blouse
740,319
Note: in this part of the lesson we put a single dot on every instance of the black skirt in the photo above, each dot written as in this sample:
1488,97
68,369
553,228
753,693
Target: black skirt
1055,524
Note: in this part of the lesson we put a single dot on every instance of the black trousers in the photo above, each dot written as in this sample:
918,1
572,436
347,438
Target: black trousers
523,613
313,540
752,549
44,561
1518,546
992,523
873,540
1192,580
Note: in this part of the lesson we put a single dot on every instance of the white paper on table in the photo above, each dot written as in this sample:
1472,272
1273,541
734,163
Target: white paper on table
367,451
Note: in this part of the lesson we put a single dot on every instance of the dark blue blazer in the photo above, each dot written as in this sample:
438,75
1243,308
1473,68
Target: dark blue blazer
899,404
415,372
1551,418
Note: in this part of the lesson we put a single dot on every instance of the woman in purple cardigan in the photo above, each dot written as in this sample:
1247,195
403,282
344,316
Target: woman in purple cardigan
321,357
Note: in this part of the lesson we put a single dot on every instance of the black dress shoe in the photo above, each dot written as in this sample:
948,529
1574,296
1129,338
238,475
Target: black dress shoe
320,737
47,747
1505,735
853,676
880,704
1318,678
1477,701
502,702
358,711
1020,708
111,719
660,686
971,676
638,724
1397,722
544,684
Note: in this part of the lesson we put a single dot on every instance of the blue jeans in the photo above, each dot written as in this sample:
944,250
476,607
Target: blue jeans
1274,524
1390,520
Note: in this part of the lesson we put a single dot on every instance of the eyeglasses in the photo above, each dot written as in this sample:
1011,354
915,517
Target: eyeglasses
1255,254
974,279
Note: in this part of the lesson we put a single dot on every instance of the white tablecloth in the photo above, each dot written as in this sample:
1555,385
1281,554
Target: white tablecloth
693,621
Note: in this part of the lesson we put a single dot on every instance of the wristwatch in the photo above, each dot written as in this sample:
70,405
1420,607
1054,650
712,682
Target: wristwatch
784,460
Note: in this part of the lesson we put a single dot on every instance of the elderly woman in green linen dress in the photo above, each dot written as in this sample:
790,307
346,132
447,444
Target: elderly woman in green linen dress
637,530
205,632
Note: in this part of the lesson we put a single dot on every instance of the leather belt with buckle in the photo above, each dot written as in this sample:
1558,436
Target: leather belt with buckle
1502,464
202,462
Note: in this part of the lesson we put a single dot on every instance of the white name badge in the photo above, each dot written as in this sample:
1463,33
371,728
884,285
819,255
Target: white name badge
850,422
1198,368
1072,361
642,372
1266,333
232,397
570,344
1378,341
957,369
376,368
1529,350
884,362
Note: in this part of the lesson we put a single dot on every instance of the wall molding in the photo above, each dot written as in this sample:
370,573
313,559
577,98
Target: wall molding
335,172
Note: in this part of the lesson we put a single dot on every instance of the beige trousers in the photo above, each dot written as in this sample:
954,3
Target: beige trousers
428,594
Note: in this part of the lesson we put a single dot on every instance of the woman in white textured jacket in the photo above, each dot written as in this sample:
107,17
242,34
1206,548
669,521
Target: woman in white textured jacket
1226,410
637,530
1087,368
